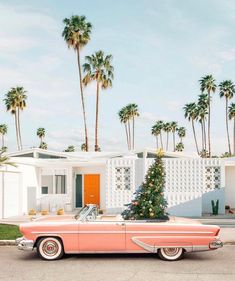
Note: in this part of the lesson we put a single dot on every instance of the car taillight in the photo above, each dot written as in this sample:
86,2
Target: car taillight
217,232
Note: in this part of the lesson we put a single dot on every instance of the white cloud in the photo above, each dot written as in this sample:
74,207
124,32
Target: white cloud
150,117
227,55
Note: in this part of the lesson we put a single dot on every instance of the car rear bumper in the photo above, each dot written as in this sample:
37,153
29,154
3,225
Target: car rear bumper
24,244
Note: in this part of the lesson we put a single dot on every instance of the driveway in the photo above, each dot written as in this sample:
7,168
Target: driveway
26,266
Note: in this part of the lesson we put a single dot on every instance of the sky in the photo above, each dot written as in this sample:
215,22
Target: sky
160,48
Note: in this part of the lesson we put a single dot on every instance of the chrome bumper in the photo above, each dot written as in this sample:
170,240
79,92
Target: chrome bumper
23,244
216,244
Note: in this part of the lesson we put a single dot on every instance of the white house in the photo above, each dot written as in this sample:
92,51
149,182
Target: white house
48,180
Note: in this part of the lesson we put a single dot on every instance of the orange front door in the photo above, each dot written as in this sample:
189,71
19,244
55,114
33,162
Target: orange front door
92,189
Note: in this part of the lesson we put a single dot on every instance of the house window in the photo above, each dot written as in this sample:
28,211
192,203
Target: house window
47,184
123,178
44,189
60,184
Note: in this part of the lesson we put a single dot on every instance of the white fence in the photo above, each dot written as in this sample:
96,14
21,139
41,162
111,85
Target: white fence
190,184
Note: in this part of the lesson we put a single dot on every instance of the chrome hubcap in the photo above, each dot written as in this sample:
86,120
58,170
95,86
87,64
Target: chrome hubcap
171,251
50,248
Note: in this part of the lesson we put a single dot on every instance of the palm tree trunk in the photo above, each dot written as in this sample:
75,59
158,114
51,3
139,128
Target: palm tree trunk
17,133
174,140
161,139
227,129
2,140
127,137
204,126
167,137
133,133
19,130
97,116
194,134
209,124
234,136
157,141
203,147
129,132
82,98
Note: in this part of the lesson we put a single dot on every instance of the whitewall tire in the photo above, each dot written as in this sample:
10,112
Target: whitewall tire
50,248
170,254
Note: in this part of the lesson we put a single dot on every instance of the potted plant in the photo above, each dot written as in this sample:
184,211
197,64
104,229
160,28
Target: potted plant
32,212
44,212
60,211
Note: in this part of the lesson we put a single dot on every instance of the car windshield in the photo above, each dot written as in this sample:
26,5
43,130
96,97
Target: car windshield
81,213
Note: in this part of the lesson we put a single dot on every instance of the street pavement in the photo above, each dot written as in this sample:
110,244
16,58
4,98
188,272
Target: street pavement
205,266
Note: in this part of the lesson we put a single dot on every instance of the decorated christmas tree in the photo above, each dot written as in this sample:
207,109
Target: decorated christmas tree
149,201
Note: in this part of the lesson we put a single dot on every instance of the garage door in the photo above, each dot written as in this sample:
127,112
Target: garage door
11,194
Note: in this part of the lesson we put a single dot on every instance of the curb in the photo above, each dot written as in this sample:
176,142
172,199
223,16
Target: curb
7,243
13,243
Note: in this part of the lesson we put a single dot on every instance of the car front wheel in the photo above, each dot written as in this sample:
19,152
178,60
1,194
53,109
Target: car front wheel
170,254
50,248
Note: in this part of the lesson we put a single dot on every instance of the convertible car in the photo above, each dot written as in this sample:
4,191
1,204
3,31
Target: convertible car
88,232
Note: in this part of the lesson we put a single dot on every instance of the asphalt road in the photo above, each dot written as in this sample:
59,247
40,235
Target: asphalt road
27,266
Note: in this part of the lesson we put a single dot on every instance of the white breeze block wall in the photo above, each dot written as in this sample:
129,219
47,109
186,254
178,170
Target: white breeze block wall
186,181
121,184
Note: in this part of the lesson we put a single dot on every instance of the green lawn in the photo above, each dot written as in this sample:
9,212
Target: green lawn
9,232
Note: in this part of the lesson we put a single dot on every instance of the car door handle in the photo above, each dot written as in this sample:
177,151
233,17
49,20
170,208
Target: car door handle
120,223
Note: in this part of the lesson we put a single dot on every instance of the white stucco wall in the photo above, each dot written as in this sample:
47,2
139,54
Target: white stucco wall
230,186
27,177
53,202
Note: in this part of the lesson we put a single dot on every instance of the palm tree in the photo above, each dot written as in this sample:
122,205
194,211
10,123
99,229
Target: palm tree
179,147
160,125
15,100
83,147
4,160
167,129
202,112
173,125
76,33
227,90
124,118
190,112
41,134
181,131
98,68
43,145
3,132
156,132
231,115
133,112
70,148
207,83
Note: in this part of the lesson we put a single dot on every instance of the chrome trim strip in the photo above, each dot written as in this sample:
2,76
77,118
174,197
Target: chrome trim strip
127,232
143,245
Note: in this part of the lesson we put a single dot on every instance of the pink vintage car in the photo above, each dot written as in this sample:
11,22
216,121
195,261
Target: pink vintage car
87,232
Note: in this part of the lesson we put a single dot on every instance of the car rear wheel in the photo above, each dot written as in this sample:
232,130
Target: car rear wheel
170,254
50,248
